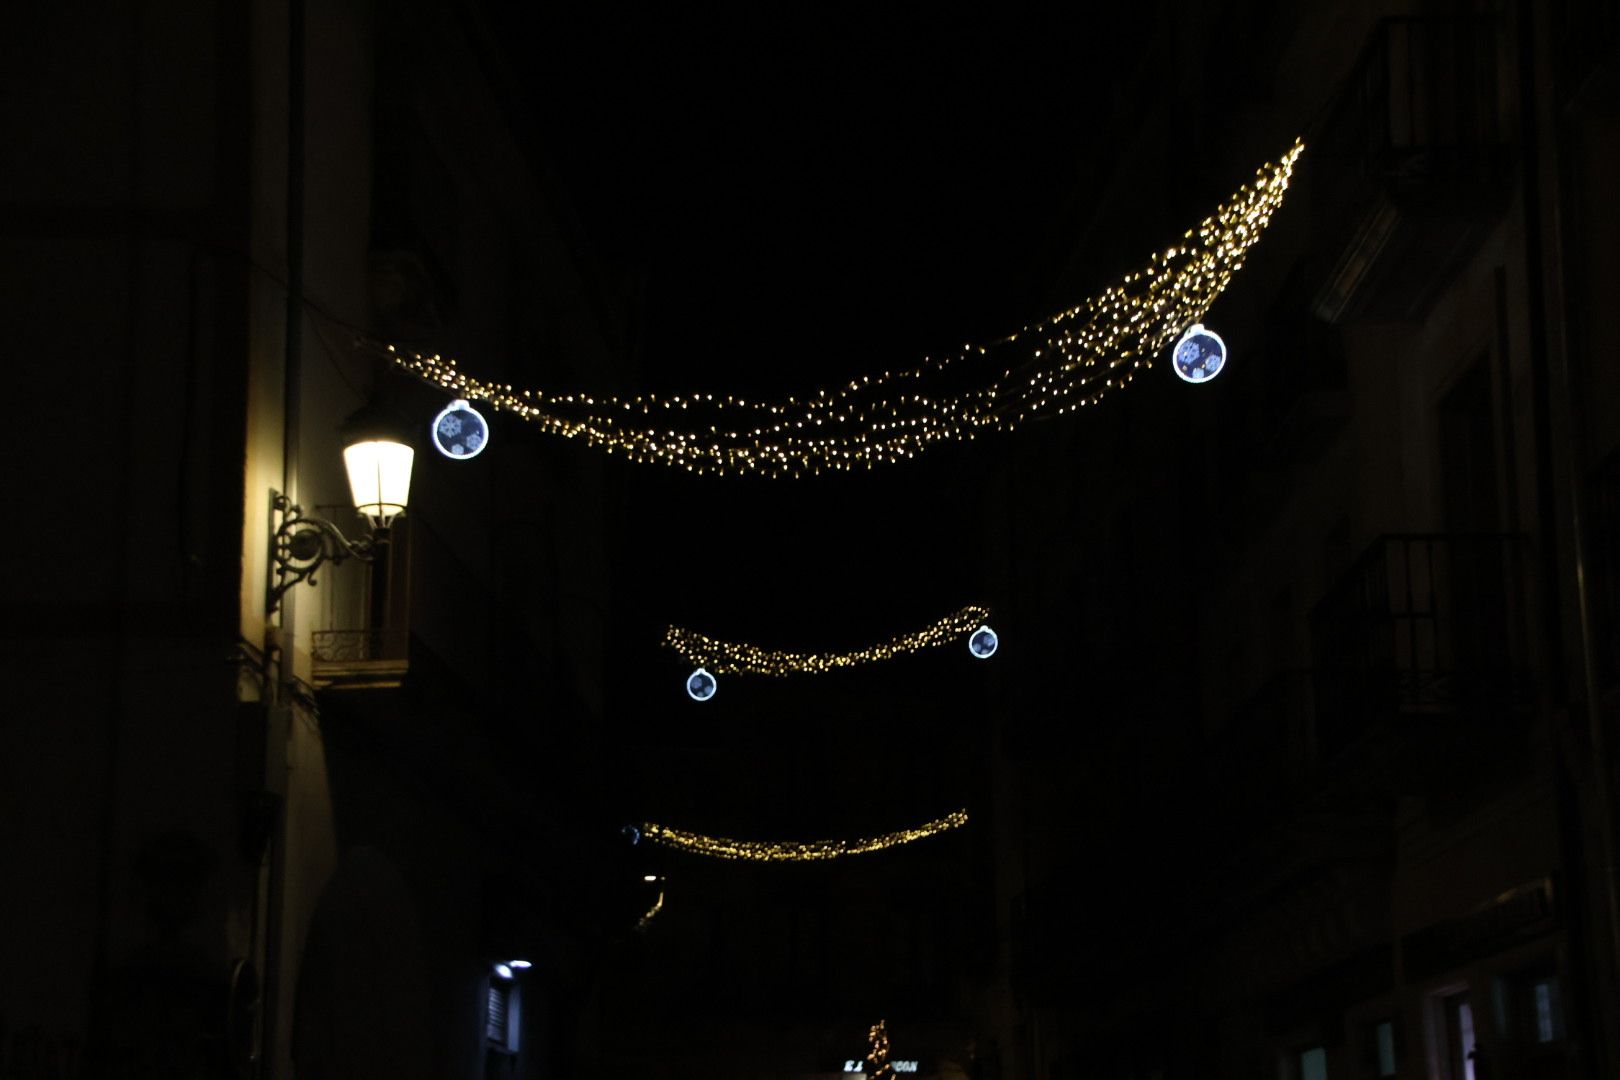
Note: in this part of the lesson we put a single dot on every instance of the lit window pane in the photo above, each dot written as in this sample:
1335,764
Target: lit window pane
1465,1035
1545,1032
1386,1048
1313,1064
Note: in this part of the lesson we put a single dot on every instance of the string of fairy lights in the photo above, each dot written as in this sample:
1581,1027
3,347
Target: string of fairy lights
1061,364
773,851
877,1054
1058,365
651,913
714,657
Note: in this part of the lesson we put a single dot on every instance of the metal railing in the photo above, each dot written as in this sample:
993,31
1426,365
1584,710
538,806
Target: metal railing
1422,623
1424,99
350,646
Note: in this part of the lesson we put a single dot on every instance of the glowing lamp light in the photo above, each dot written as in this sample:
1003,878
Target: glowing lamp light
503,970
379,478
520,965
378,461
460,431
1199,355
983,642
700,685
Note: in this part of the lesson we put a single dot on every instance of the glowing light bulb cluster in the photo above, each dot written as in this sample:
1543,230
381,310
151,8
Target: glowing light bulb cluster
1064,363
718,847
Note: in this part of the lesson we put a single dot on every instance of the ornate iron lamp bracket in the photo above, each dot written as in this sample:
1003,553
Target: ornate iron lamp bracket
301,544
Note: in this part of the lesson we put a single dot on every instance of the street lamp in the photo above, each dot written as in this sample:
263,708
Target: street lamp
378,461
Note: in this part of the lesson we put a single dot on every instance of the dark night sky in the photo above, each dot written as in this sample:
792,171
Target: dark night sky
794,196
802,193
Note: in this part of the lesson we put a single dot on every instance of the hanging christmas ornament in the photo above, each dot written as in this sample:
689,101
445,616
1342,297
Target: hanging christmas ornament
983,642
701,685
1199,355
460,431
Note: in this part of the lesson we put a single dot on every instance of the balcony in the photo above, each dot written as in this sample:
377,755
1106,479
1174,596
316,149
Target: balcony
365,615
360,659
1414,160
1422,656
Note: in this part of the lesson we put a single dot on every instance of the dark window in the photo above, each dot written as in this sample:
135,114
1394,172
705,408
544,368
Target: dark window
1468,455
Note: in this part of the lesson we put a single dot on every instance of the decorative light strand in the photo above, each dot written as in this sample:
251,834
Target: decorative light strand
1066,362
877,1056
718,847
736,658
652,912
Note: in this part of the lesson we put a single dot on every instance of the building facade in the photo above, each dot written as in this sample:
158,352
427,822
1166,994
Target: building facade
249,834
1373,813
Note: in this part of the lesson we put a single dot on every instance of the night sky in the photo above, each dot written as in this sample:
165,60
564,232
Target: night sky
798,195
788,199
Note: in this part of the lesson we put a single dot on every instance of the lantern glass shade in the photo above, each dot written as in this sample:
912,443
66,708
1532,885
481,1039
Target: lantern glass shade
379,477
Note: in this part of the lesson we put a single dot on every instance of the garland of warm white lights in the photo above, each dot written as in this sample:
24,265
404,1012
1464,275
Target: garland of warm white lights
877,1056
715,657
719,847
652,912
1065,362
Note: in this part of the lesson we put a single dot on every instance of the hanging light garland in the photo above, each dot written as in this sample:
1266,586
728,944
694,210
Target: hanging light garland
792,850
714,657
652,913
1066,362
877,1055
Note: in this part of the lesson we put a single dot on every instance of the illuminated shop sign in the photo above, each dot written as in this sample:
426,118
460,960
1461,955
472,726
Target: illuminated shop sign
859,1066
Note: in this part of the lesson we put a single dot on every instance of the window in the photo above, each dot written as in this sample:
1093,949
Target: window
1379,1048
1549,1020
502,1015
497,1013
1313,1064
1460,1047
1529,1007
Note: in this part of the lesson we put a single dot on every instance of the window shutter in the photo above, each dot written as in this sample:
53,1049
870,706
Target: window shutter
495,1019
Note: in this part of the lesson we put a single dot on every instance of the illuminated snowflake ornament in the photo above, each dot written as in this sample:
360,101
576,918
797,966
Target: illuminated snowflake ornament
701,685
982,643
460,431
1199,355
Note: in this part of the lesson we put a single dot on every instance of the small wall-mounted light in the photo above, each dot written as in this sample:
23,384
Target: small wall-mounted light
503,971
378,461
519,965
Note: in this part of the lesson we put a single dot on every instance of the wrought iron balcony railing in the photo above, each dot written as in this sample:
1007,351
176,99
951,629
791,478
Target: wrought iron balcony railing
360,659
1413,161
1424,100
1422,624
